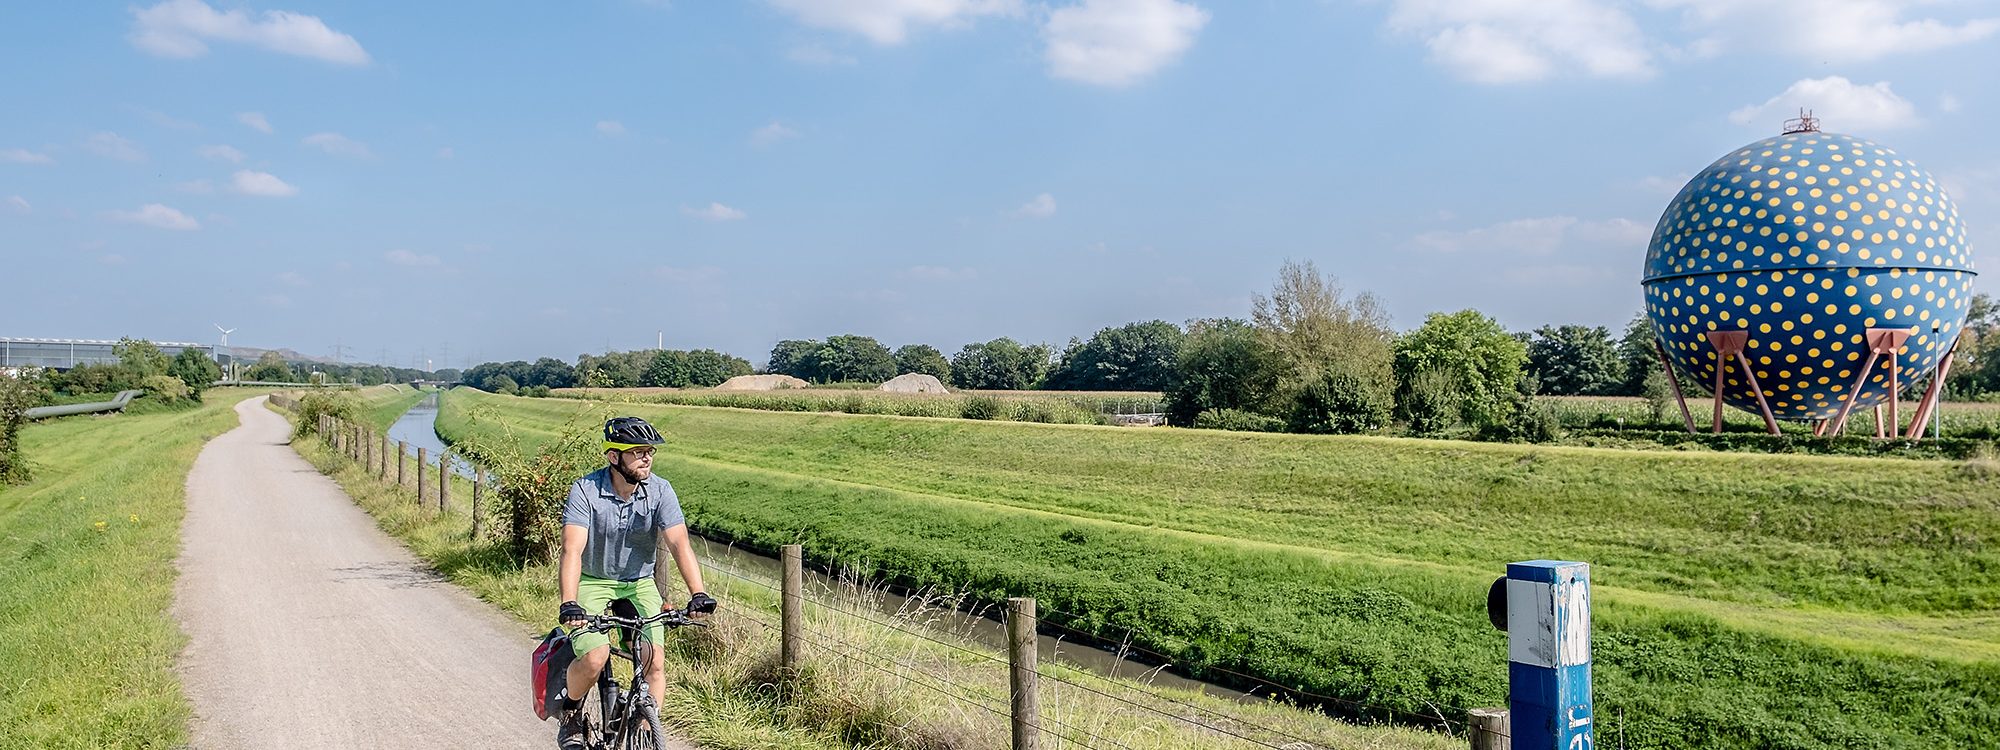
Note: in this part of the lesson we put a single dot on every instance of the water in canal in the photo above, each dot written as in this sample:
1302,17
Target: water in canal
418,428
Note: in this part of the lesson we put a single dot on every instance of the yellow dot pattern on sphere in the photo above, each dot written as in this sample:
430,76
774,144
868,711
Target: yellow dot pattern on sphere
1806,241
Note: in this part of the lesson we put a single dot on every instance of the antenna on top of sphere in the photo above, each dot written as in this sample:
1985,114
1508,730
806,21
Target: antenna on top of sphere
1804,123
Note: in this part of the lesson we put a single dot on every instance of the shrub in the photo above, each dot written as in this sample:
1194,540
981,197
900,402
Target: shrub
533,482
1433,403
982,407
330,403
1238,420
167,389
536,391
1526,419
1339,403
17,395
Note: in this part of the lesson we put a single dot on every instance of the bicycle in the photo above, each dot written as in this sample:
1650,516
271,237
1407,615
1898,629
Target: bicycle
627,718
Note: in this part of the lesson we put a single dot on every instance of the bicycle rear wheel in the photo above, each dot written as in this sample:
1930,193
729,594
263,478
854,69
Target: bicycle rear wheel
642,731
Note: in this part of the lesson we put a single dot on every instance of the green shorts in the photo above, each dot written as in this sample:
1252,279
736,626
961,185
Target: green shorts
595,594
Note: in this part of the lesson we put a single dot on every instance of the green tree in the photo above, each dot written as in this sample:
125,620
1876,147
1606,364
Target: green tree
1574,360
195,369
1340,403
1002,364
1131,357
1222,364
1483,361
141,357
924,359
1310,327
1636,353
708,368
271,368
669,369
851,358
793,357
550,372
18,393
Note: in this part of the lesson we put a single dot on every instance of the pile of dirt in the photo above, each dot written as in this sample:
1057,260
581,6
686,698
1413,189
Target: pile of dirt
913,382
761,383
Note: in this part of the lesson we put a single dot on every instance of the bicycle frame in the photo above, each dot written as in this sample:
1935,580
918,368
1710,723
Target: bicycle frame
618,706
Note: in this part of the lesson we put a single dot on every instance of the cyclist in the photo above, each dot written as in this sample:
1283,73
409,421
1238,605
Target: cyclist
614,522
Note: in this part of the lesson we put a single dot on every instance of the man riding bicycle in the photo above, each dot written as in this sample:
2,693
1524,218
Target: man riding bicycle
614,522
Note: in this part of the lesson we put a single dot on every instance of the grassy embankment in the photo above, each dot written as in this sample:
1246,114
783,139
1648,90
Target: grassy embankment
87,639
1743,600
858,690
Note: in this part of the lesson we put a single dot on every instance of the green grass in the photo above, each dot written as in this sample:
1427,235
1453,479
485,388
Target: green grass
722,695
1745,601
87,640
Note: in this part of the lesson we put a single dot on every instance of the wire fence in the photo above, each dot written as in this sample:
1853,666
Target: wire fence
1210,720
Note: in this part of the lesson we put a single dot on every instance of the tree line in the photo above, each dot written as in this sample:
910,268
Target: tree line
1309,358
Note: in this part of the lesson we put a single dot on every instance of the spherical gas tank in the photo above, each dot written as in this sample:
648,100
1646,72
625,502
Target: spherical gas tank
1806,241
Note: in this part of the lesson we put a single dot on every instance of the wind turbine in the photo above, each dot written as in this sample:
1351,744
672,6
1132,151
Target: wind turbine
225,345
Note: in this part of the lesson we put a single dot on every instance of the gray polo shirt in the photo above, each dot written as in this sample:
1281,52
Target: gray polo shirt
624,534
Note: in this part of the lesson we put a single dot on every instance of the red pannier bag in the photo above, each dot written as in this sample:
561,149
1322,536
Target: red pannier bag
547,671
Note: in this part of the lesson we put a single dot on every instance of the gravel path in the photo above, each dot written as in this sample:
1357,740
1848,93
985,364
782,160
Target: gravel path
309,627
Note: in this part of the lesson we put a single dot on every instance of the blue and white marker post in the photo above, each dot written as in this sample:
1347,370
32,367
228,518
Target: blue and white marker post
1548,656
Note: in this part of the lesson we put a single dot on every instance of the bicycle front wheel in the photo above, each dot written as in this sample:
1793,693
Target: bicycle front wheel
642,730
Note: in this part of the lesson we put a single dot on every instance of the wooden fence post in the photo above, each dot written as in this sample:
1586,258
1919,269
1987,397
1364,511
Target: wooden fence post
421,487
1021,656
444,482
402,449
1488,727
382,468
478,498
792,615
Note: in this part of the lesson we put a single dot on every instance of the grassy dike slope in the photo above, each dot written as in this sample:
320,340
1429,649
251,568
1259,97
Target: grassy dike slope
1744,601
87,641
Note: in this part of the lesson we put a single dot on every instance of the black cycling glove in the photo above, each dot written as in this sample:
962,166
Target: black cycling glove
701,604
571,612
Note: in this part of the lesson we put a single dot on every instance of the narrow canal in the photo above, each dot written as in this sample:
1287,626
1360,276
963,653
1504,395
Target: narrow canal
418,428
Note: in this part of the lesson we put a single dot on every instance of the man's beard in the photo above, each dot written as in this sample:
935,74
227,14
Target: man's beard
631,477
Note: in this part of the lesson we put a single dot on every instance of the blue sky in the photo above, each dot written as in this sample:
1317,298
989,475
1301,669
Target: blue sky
500,181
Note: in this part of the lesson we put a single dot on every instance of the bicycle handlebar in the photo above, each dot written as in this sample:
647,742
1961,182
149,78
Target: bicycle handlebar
673,618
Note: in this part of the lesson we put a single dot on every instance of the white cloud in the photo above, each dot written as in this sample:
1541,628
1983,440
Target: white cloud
165,120
221,153
715,212
1517,41
182,28
610,127
1949,103
446,153
686,275
888,22
1536,236
19,204
338,145
292,278
158,216
24,156
265,184
111,259
940,273
407,258
255,121
114,146
1829,30
1118,42
197,187
275,300
813,54
772,133
1841,105
1040,207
